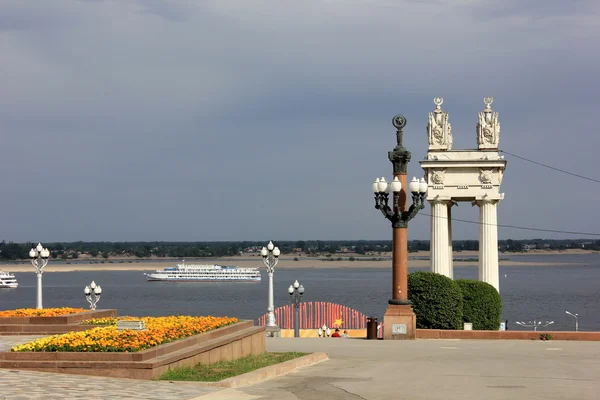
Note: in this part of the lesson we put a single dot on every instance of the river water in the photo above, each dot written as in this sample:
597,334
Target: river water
528,292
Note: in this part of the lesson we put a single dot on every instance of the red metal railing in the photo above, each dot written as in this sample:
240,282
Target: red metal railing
316,314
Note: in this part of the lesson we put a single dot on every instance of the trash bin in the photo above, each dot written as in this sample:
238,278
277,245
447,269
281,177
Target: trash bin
371,328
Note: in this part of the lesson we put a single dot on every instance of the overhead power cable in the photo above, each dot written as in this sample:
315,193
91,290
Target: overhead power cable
548,166
517,227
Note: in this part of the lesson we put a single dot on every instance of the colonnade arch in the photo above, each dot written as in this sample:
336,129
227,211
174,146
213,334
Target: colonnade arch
472,176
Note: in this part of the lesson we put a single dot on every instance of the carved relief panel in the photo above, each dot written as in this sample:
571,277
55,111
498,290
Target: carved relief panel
488,127
437,177
439,130
485,176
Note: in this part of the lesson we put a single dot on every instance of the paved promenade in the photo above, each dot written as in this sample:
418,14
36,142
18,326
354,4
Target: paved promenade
6,342
440,369
361,369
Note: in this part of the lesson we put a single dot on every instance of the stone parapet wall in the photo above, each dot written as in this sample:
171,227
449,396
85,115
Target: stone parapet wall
505,335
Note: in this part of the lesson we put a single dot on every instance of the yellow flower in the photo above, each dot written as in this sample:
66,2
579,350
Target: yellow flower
45,312
107,338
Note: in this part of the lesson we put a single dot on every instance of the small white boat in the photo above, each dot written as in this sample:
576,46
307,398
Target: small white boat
8,280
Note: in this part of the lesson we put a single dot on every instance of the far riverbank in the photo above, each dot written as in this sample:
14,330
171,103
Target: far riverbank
347,261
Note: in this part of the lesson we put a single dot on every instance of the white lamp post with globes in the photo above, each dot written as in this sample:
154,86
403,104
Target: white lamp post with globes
92,294
39,259
324,331
270,255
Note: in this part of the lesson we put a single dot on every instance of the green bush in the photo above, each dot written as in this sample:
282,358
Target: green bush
437,301
482,304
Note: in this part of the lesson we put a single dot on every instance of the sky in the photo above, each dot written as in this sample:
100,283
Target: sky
223,120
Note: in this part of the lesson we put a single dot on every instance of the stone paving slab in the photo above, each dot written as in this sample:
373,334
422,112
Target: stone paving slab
6,342
29,385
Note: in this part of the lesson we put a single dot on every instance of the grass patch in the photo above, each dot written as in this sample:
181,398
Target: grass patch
226,369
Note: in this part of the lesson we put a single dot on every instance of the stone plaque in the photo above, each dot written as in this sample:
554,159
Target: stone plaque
398,329
137,325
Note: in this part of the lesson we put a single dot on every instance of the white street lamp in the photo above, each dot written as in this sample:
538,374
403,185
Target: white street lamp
422,186
92,294
270,255
576,320
39,259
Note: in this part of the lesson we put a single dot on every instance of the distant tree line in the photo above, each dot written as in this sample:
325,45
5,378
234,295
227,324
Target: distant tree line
62,250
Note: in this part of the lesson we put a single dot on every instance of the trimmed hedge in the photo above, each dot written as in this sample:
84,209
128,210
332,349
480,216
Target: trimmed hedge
482,304
436,299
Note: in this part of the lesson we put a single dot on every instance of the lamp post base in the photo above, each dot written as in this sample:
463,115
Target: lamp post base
271,318
273,331
399,322
400,302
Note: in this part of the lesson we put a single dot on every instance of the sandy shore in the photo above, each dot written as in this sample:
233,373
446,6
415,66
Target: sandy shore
255,261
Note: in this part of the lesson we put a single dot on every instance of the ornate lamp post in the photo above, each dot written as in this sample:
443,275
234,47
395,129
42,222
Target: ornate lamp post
296,291
39,259
270,255
92,294
399,319
576,320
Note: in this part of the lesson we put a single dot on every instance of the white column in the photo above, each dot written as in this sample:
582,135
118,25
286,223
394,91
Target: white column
450,255
271,305
39,291
488,243
439,238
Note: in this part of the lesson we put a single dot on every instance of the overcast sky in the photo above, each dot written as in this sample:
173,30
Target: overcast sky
248,120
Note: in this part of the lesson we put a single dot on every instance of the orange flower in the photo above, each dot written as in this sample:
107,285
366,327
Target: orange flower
44,312
158,330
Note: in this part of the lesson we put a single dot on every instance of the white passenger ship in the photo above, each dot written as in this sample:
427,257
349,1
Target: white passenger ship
204,273
8,280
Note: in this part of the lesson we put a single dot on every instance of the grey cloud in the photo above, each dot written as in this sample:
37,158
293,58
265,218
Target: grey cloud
21,16
169,10
267,119
9,23
535,9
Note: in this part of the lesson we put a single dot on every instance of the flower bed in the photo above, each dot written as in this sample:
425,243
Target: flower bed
236,340
37,312
108,339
